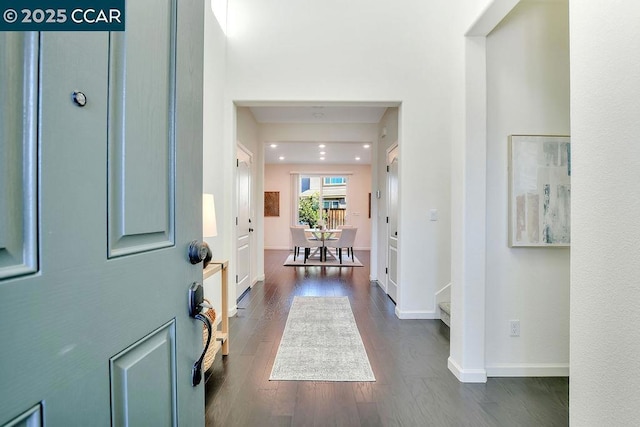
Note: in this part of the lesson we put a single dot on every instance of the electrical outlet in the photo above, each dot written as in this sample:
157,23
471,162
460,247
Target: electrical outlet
514,328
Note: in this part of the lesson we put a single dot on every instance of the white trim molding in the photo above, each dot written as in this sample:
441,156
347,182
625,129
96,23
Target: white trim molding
528,370
467,375
419,314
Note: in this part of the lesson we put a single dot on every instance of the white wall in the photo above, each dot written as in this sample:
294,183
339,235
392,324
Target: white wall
278,178
213,122
312,132
528,94
213,108
605,261
366,51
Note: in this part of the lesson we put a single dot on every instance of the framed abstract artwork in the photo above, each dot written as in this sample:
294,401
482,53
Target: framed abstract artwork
271,203
539,191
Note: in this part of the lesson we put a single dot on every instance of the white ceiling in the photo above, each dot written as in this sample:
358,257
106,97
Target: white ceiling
308,152
318,114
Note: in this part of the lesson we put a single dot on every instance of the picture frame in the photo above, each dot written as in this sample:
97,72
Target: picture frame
271,203
539,191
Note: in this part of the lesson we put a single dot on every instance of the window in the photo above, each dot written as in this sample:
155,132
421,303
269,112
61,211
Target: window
335,180
322,198
305,184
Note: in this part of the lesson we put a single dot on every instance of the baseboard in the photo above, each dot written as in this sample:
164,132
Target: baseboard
259,278
233,311
528,370
444,294
418,314
380,285
466,375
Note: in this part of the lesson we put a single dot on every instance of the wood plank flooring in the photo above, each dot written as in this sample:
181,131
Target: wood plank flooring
408,357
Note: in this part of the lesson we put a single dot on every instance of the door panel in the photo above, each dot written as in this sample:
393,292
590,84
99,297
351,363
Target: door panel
60,328
18,153
244,225
143,381
31,418
141,138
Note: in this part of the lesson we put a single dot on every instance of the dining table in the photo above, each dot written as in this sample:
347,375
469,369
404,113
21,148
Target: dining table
323,235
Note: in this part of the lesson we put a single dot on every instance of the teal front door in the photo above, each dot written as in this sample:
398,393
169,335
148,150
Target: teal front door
100,195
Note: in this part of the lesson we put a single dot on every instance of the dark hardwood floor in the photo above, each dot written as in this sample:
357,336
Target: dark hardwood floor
409,358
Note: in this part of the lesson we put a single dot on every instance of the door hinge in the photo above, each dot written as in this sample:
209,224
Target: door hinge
387,220
386,270
237,163
236,220
387,168
236,278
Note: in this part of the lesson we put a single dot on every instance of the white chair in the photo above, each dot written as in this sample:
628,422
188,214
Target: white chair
346,240
300,241
296,249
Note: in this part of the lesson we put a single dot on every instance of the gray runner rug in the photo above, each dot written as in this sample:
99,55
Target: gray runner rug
321,342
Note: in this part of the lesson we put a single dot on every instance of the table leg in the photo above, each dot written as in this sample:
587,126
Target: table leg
225,310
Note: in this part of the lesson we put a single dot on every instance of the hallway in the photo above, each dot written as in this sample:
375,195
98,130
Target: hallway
409,359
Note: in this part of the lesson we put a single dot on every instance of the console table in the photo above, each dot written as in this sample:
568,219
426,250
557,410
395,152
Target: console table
222,337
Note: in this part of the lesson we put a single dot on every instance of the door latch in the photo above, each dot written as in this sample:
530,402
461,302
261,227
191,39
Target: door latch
199,251
196,304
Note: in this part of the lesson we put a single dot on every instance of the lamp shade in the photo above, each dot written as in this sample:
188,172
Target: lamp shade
209,226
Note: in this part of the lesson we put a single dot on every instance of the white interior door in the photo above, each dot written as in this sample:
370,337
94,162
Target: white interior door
392,227
244,226
97,206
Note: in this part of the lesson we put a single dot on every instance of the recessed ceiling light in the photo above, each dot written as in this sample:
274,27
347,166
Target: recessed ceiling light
321,145
318,115
321,158
274,145
322,153
366,146
281,157
357,158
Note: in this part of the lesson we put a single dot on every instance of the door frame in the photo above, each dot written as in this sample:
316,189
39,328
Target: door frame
391,154
245,154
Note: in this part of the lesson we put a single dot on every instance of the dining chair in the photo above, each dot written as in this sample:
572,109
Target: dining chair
296,249
346,240
300,241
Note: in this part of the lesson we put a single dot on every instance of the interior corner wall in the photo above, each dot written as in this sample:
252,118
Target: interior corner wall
527,94
277,177
605,262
